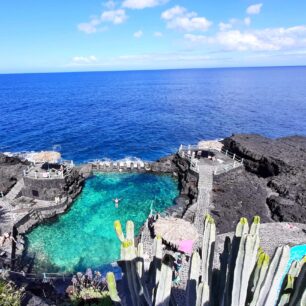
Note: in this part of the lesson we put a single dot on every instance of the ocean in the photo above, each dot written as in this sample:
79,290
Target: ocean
147,114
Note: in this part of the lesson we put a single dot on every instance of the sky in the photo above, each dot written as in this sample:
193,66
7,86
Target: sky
92,35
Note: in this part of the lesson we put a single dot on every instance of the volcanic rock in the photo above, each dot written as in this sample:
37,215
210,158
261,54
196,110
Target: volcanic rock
280,164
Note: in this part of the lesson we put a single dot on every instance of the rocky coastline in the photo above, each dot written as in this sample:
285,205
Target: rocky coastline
271,184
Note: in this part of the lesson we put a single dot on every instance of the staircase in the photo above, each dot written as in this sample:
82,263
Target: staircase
15,191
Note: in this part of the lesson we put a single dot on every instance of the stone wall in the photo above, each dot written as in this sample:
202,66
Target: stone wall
48,188
43,189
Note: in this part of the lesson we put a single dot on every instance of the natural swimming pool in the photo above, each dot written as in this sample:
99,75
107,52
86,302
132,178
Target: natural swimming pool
84,236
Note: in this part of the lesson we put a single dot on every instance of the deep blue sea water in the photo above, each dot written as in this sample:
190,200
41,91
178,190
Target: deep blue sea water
147,114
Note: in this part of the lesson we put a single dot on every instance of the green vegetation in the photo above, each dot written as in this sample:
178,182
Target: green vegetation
10,295
88,289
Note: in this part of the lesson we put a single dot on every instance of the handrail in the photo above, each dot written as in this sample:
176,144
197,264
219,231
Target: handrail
183,149
232,155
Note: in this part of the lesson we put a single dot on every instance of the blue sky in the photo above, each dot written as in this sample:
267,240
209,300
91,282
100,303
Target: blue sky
85,35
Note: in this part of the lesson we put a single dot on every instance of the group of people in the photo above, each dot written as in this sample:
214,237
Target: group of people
6,237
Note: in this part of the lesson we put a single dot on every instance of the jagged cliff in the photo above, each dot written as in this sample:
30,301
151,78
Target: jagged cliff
273,184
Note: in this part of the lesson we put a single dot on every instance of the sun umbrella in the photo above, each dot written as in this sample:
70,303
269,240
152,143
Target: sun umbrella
175,231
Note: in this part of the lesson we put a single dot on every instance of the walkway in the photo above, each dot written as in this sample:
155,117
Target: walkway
15,191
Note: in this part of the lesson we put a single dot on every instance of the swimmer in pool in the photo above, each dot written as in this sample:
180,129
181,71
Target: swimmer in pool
117,202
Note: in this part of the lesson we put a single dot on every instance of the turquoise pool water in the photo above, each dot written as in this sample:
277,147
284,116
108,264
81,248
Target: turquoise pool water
84,236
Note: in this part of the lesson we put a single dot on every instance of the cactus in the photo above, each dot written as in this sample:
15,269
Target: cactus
296,267
157,261
299,291
140,261
245,262
242,228
163,290
193,280
222,275
289,283
118,229
138,293
246,275
112,288
130,231
259,275
255,226
208,244
202,295
269,288
286,292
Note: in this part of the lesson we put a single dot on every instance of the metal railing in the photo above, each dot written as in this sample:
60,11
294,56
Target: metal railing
227,168
232,155
45,175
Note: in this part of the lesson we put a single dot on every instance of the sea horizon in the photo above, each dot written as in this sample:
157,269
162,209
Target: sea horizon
155,69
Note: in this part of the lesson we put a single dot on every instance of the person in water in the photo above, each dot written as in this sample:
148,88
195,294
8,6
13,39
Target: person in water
117,202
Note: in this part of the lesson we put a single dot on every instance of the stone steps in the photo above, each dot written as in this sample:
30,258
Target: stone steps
15,191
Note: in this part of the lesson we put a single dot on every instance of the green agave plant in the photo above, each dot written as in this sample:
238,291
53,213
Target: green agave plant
247,276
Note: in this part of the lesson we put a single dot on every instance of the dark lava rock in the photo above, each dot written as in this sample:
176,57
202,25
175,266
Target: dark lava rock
282,164
188,179
237,194
11,169
165,165
178,210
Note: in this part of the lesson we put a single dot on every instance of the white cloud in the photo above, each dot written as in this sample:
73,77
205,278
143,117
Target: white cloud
141,4
111,16
110,5
179,18
270,39
225,26
138,34
84,59
158,34
87,27
114,16
198,39
254,9
247,21
173,12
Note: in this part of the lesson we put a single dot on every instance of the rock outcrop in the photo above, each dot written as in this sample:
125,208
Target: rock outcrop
165,165
11,170
275,174
239,193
